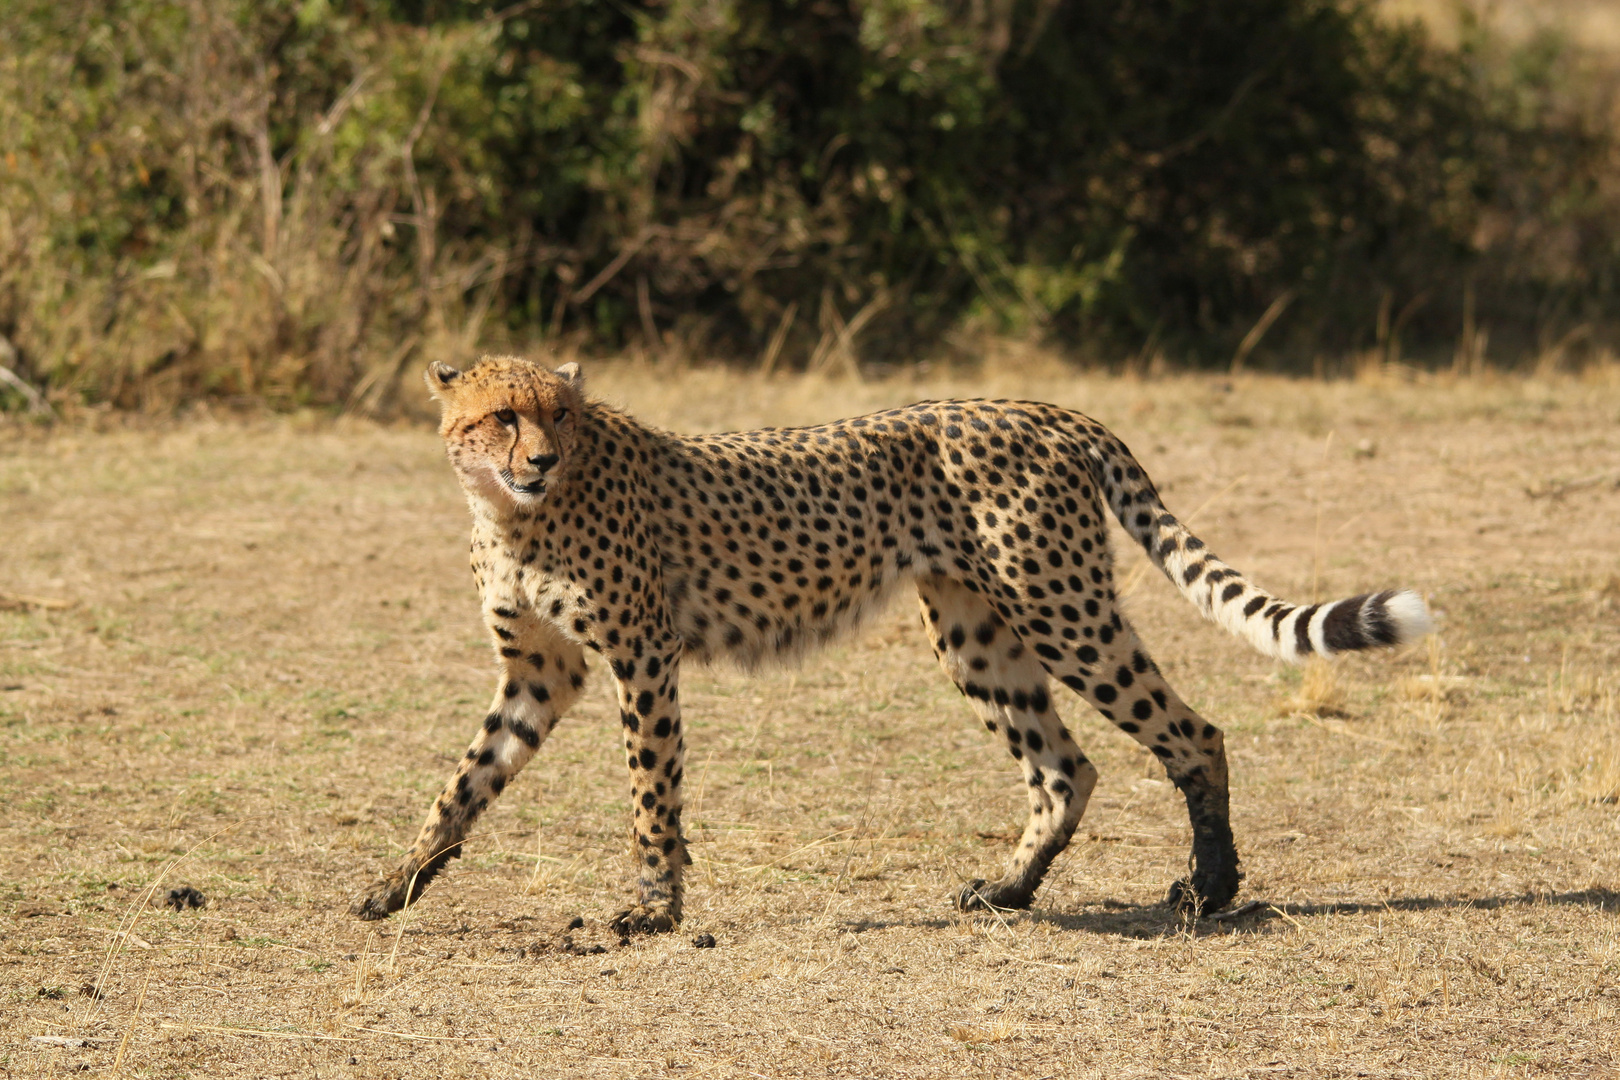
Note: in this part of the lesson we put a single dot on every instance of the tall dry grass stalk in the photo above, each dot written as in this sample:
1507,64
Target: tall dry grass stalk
1319,695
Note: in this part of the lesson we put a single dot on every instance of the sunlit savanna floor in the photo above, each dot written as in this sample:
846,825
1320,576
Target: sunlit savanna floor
242,656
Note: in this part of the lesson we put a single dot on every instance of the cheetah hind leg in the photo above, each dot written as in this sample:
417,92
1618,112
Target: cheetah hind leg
1008,689
1112,671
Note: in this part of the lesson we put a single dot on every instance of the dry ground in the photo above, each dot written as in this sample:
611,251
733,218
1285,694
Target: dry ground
242,656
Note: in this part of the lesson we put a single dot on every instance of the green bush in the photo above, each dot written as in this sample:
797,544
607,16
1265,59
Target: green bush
297,201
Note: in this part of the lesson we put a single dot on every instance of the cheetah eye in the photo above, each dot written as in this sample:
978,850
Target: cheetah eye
559,416
506,416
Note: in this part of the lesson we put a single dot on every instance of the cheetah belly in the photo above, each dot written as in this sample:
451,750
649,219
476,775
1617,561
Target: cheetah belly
756,606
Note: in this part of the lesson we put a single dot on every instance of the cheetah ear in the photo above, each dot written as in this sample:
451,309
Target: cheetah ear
439,376
569,373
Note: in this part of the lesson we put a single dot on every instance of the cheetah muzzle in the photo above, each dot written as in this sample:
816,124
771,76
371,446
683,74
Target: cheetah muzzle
592,530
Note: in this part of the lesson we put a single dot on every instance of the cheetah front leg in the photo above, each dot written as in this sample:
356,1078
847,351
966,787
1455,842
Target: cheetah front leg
542,675
650,712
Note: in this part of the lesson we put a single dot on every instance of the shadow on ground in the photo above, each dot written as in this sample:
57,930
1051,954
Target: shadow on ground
1160,920
1121,919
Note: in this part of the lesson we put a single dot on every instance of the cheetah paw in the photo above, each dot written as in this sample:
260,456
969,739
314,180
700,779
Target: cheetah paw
380,901
642,919
1198,898
981,895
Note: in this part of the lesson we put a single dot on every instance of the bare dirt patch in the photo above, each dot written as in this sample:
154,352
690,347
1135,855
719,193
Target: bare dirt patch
240,658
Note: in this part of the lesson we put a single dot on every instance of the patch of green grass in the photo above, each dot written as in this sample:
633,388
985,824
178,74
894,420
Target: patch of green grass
258,941
1517,1057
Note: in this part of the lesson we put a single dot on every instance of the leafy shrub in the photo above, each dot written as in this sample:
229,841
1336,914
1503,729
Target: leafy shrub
297,201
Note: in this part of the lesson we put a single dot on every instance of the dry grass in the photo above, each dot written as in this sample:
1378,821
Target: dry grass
244,655
1593,24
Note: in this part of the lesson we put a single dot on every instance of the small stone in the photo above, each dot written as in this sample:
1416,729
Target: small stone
182,898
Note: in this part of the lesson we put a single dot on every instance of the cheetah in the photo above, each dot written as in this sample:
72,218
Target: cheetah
592,530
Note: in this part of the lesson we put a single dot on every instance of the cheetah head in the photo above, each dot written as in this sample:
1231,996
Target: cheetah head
509,426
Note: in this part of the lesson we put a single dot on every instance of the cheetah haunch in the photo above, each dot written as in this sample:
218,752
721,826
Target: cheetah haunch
594,531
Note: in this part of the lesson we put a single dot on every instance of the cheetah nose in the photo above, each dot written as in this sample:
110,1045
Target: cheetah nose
543,461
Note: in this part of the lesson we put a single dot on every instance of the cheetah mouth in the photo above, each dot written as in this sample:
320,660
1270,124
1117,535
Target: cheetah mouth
537,486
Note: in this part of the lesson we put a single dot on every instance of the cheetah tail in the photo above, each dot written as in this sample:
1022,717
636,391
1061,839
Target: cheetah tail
1275,627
